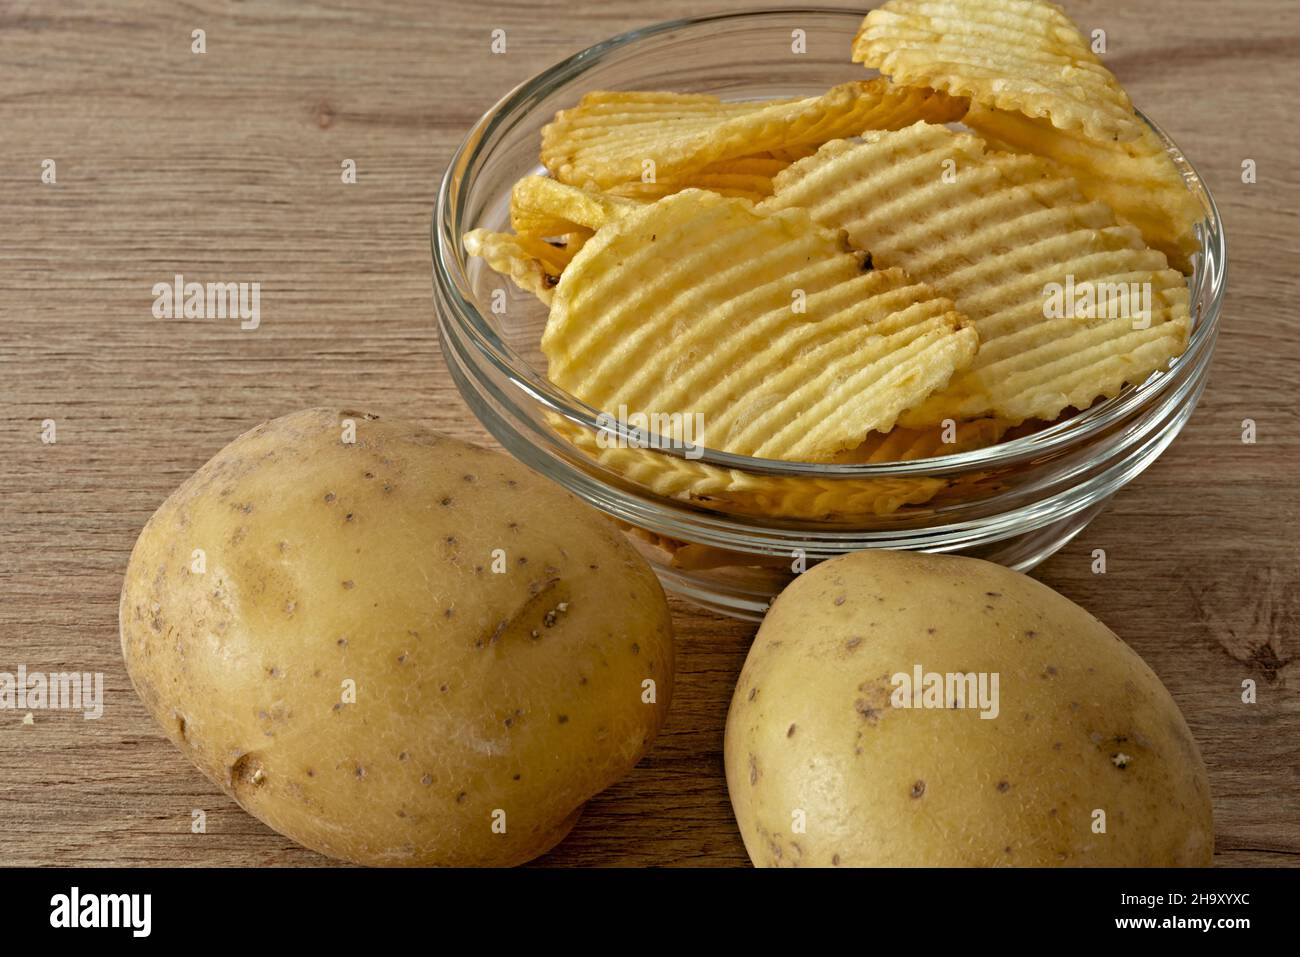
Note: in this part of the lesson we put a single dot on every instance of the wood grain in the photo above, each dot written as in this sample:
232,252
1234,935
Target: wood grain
227,165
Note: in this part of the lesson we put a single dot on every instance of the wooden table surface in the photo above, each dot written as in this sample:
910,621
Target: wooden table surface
226,165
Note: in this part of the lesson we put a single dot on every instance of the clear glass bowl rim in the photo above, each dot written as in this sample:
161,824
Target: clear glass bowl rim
452,281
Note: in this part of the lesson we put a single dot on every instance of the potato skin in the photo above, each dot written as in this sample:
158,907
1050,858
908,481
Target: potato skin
1083,724
372,562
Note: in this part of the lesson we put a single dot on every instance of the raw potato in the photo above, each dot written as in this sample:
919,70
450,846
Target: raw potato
480,697
824,771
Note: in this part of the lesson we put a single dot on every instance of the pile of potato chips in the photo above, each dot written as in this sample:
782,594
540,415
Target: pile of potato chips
846,278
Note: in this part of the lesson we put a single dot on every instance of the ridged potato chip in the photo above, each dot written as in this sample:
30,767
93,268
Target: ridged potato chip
909,445
615,138
748,177
744,493
541,206
760,327
820,499
574,241
1017,247
1137,179
532,263
1022,55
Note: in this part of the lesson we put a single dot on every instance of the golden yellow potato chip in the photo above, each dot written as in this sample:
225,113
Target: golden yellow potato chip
789,154
908,445
541,206
615,138
1022,55
532,263
1137,179
552,222
744,493
1069,305
820,499
757,333
574,241
749,177
823,499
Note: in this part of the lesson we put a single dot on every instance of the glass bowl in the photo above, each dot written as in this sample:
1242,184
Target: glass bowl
728,531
